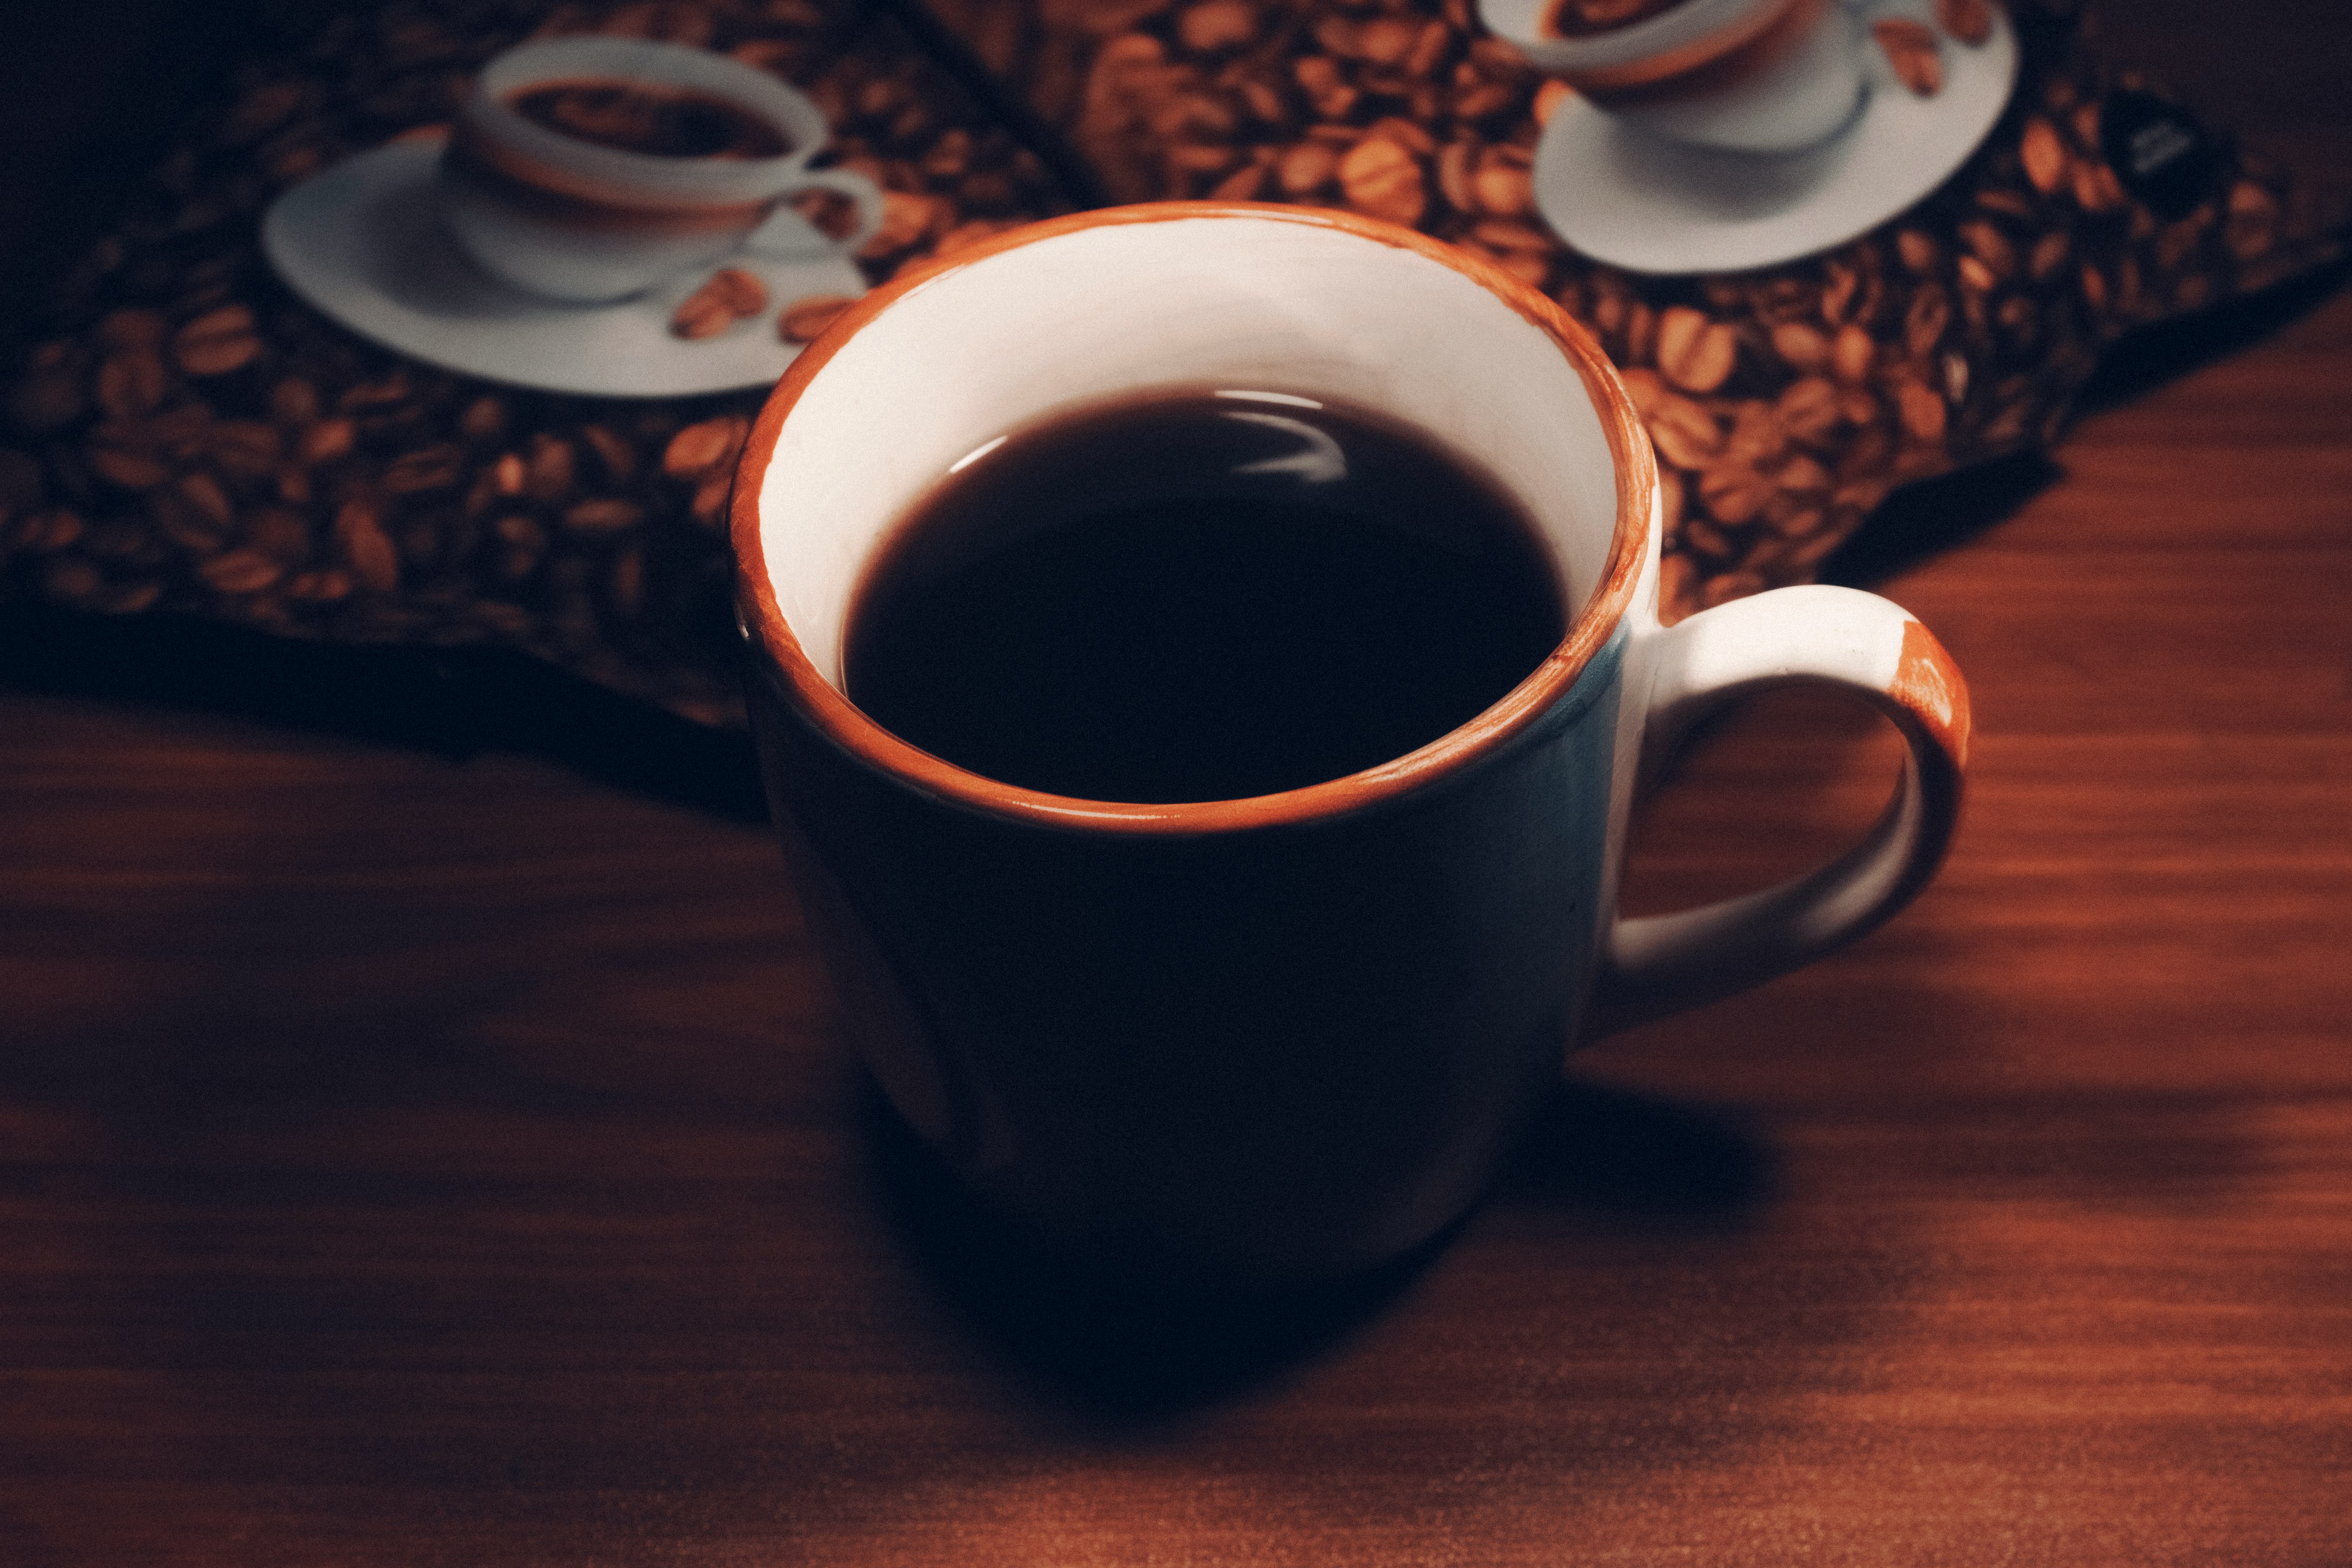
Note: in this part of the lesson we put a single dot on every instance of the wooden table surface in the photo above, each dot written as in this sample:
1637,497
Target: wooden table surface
409,1158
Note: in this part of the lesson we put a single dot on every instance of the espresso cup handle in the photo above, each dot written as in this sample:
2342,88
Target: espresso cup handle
769,240
1838,638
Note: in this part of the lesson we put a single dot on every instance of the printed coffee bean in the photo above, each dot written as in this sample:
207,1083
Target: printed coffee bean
1307,168
1852,352
130,383
1702,537
132,328
509,475
1924,324
1695,354
279,532
47,531
327,441
1384,180
1808,410
1404,134
1801,347
1910,48
1988,244
906,219
740,291
319,585
1457,167
375,399
2253,221
366,549
74,584
204,495
2043,155
262,109
1756,435
1505,189
294,402
216,342
484,420
548,472
618,459
602,516
1243,184
708,507
432,468
1216,25
1685,434
2050,254
245,449
240,572
804,320
1734,492
1969,21
525,547
183,524
122,461
701,446
1922,410
624,585
705,313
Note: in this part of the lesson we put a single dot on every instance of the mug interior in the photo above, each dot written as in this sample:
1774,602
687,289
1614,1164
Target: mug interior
1294,303
1692,31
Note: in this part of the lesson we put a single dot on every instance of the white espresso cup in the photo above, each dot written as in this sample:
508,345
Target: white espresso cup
1742,76
1294,1034
569,218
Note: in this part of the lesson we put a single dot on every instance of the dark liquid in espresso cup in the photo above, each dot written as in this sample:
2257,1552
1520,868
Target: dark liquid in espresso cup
1200,596
1583,18
655,119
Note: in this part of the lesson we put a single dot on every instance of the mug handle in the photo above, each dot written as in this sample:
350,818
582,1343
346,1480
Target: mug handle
774,237
1815,636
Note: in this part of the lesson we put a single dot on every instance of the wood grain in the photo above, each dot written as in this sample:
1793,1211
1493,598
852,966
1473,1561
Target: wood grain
411,1158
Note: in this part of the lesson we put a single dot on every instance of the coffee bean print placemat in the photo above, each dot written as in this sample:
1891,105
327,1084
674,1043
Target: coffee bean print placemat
1786,403
182,434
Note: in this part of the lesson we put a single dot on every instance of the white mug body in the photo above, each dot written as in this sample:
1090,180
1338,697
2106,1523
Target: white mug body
1274,1037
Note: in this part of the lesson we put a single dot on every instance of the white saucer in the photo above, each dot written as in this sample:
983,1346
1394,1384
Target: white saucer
363,242
1650,206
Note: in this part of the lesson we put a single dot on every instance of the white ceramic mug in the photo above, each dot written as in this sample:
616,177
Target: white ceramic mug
1743,76
1296,1034
570,219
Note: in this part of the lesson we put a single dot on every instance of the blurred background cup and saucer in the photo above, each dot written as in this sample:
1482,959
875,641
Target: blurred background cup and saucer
532,244
1719,135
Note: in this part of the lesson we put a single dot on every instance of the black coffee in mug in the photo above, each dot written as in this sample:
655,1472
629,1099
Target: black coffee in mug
1200,596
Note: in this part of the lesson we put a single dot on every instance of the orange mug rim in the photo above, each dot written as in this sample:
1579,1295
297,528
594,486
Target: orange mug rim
842,723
